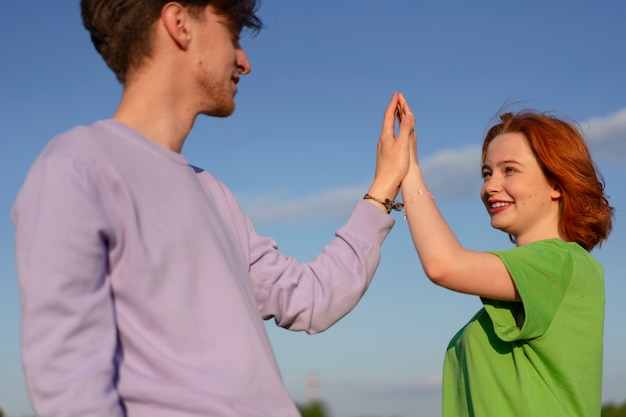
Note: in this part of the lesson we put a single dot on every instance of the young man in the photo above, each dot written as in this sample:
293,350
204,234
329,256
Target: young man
144,286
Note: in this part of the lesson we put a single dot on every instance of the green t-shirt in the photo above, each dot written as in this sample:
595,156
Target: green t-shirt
541,357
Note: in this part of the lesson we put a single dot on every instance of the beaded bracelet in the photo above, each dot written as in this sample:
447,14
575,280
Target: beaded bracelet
415,195
389,204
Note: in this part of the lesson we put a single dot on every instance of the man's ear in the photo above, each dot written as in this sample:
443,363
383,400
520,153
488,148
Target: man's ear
175,19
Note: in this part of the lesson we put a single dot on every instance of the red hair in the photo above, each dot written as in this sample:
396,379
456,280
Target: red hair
585,213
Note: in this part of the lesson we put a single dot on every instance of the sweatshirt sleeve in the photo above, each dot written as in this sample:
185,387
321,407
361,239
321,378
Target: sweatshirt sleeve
312,296
68,325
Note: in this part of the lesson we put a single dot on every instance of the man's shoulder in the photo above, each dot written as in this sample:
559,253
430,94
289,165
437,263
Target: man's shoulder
103,143
82,138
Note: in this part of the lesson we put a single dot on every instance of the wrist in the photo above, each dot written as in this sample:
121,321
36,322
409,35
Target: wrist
414,169
386,204
384,190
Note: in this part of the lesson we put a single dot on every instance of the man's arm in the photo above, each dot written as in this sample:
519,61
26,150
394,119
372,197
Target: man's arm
312,296
68,325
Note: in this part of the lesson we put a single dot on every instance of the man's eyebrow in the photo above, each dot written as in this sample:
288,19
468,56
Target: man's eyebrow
233,25
230,23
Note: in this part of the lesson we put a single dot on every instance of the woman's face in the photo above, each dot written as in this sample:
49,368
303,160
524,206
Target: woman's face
516,193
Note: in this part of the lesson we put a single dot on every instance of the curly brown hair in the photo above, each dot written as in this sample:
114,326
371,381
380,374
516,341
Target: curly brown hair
586,216
121,30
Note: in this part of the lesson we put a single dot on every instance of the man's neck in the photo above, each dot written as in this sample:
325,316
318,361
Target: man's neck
154,109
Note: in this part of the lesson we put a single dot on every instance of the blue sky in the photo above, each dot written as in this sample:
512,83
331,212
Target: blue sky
300,151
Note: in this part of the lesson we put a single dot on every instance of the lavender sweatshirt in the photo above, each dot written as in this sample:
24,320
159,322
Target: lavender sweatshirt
144,286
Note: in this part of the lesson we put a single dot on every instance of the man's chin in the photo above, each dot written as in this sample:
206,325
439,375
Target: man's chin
220,112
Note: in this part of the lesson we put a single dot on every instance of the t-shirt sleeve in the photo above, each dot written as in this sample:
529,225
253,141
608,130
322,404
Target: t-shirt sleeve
542,272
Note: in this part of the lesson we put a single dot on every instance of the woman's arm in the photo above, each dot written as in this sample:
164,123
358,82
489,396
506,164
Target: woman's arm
444,260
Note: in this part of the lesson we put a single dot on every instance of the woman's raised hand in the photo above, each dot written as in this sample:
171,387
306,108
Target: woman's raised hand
393,153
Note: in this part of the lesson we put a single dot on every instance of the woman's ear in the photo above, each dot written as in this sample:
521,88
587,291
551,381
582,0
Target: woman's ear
556,192
175,20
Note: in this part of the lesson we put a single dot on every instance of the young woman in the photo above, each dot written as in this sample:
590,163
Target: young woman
535,348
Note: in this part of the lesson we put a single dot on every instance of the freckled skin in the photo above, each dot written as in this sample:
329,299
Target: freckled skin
512,175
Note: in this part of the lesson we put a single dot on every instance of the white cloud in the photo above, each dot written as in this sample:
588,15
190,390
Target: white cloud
331,204
606,137
452,173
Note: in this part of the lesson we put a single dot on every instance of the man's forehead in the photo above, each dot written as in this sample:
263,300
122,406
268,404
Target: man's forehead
228,21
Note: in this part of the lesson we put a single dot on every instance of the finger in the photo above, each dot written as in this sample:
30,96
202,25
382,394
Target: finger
389,118
404,104
399,112
407,129
407,124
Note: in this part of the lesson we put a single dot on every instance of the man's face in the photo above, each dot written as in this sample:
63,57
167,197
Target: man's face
218,62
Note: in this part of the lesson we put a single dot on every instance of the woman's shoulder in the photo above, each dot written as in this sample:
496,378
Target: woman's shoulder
549,254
